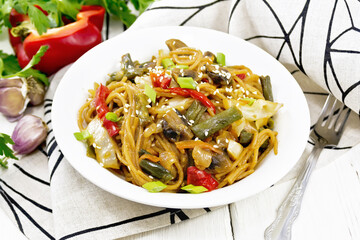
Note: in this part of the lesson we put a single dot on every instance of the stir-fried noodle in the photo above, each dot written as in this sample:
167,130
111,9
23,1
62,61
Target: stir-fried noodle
205,118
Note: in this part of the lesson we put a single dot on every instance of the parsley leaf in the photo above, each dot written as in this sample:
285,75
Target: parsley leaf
12,68
5,150
39,19
11,64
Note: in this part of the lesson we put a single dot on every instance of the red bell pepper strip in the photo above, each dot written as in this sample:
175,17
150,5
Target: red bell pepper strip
241,76
66,43
185,92
160,80
199,177
101,109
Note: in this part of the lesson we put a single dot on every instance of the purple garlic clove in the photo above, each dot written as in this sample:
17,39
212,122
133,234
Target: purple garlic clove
11,82
28,134
16,93
12,102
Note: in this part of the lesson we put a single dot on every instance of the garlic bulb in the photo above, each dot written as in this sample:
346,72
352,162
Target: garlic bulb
28,134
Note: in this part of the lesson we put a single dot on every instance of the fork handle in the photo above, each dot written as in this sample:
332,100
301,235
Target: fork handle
280,229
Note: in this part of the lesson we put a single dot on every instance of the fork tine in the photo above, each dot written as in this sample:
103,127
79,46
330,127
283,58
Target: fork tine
322,118
340,128
330,120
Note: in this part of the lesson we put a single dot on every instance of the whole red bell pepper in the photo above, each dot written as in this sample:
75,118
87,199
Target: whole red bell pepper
66,43
199,177
102,92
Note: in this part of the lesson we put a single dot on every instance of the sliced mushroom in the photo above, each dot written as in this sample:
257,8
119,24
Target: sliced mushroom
174,44
174,127
219,163
176,72
210,55
218,75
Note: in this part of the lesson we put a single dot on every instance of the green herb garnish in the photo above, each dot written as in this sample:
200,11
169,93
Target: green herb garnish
154,186
194,189
167,62
112,117
186,82
220,59
5,151
11,66
83,135
150,92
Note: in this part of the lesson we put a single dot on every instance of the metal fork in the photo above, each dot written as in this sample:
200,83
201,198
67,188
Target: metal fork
326,132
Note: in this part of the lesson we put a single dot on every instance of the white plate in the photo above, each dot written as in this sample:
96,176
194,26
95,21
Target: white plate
292,121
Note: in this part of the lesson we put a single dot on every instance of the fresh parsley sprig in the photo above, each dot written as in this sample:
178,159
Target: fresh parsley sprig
9,66
5,151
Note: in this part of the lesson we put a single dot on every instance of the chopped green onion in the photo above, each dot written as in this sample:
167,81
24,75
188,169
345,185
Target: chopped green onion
194,189
186,82
150,92
220,59
154,186
250,101
182,66
112,117
167,62
82,135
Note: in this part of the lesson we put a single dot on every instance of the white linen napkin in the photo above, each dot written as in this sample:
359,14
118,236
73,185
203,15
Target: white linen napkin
315,40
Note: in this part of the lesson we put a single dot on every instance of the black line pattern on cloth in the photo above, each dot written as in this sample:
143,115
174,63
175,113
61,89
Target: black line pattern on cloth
17,219
332,147
207,209
179,213
316,93
302,17
30,175
198,7
47,105
51,140
232,12
27,215
26,198
130,220
40,148
51,148
58,161
328,62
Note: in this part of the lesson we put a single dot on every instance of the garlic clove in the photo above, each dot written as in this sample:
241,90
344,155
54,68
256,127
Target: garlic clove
11,82
12,102
28,134
36,91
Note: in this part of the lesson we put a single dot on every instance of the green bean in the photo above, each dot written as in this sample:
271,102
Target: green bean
245,138
219,121
267,89
142,152
156,170
194,112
